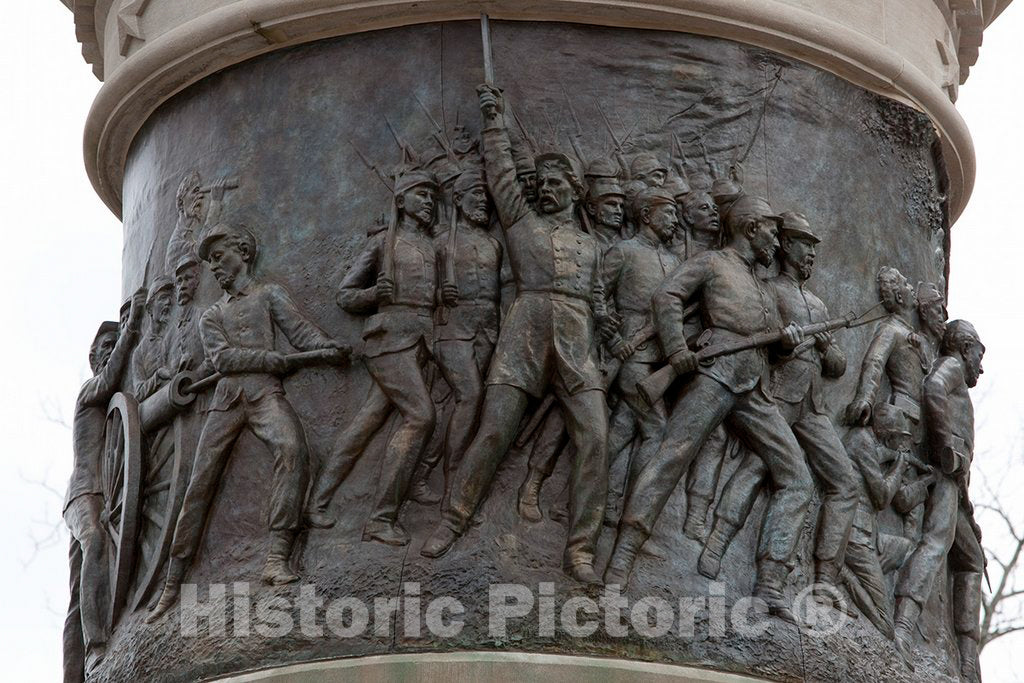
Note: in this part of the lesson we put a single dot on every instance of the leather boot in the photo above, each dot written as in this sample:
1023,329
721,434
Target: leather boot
276,571
584,573
771,581
440,541
709,563
696,517
390,534
419,490
172,586
627,545
529,496
907,614
969,658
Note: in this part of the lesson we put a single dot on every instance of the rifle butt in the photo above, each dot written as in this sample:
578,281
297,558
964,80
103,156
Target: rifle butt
656,384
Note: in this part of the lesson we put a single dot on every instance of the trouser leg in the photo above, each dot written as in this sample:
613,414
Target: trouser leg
740,492
350,445
460,368
938,534
502,410
836,478
702,479
649,422
701,408
274,422
74,641
220,431
550,442
864,568
587,423
83,518
400,377
759,423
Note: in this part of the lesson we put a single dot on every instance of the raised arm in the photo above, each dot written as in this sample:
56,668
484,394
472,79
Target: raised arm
97,390
508,196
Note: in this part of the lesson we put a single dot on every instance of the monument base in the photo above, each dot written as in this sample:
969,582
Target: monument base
456,667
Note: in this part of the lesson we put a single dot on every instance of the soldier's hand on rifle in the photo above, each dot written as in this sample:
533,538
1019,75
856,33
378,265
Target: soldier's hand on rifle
137,310
822,341
342,352
385,289
450,294
276,363
620,348
792,336
858,413
491,104
684,361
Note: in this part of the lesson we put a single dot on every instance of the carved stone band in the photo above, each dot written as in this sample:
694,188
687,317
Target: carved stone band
832,39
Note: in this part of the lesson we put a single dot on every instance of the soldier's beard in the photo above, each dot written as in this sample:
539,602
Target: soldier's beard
806,268
972,374
766,256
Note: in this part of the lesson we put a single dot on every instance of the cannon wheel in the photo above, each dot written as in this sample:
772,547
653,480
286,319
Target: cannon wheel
165,480
122,478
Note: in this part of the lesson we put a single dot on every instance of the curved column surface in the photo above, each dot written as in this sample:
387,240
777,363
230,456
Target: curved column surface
287,129
153,50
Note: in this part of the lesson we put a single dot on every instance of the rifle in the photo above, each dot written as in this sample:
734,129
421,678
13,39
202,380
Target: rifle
655,385
373,167
294,361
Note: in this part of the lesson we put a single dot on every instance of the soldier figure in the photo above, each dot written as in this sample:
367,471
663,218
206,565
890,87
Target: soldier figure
239,336
736,303
548,342
465,341
85,629
605,206
648,169
796,385
633,271
395,276
187,353
871,554
150,358
950,531
895,351
931,311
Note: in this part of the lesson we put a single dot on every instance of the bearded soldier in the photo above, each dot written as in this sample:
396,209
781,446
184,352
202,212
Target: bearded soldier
735,303
86,628
547,342
605,206
464,340
796,384
950,532
395,276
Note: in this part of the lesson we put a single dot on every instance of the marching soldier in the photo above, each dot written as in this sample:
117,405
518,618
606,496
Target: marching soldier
86,628
605,206
736,303
395,276
239,335
464,341
548,341
796,385
896,352
950,532
633,271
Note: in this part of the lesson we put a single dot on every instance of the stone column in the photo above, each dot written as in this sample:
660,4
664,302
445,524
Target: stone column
284,115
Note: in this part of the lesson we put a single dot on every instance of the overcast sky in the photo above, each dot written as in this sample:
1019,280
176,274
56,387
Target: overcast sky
61,276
